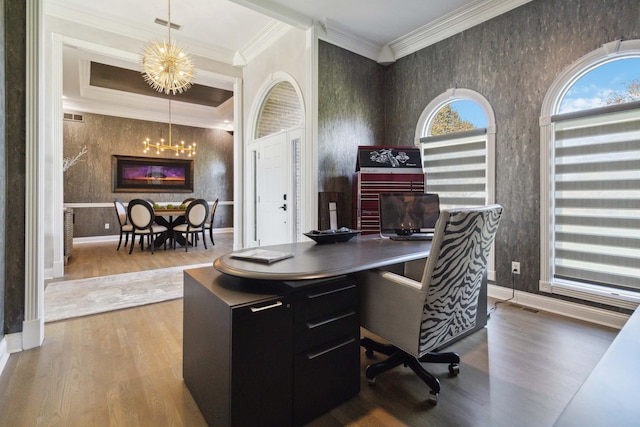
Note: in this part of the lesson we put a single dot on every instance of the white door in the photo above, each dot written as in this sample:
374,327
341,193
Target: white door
273,198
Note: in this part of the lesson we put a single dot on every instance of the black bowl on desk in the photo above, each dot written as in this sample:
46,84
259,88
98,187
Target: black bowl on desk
337,236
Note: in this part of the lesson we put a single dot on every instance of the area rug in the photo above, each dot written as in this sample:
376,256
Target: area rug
74,298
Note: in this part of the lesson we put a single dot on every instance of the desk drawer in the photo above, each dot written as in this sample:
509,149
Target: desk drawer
326,329
325,300
325,377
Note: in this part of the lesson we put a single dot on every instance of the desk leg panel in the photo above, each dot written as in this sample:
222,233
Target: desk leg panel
206,353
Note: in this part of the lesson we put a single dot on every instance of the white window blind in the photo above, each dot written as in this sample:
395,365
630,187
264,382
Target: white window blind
456,167
596,198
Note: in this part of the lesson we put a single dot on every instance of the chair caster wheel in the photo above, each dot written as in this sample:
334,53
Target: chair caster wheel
368,352
454,369
433,397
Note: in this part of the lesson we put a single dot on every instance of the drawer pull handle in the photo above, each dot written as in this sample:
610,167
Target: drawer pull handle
327,321
266,307
329,292
312,356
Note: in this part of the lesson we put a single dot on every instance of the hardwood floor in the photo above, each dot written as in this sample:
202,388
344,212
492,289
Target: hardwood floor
102,259
124,368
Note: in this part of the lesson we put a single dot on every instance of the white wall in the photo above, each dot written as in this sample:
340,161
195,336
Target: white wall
294,54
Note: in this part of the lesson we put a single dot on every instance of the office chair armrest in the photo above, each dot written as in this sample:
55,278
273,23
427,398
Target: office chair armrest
415,269
400,280
391,307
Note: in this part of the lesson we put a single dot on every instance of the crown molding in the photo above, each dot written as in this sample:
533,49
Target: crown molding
268,36
453,23
133,30
276,11
336,34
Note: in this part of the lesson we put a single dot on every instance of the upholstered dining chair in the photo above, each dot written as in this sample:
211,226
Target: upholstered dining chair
123,221
419,316
195,216
209,224
142,220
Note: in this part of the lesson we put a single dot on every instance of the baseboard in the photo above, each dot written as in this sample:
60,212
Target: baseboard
32,333
4,354
557,306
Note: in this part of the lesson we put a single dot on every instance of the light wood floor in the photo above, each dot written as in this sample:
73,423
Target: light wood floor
102,259
124,368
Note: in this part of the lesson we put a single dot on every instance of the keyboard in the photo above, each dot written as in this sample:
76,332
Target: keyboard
404,238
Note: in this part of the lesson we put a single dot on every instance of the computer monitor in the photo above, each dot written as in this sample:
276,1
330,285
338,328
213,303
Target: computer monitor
408,213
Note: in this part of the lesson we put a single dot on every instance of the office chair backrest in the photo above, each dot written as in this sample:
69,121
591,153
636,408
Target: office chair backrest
196,213
121,211
454,272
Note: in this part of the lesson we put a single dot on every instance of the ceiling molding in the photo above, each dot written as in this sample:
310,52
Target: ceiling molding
336,34
269,35
284,14
136,110
110,102
134,30
453,23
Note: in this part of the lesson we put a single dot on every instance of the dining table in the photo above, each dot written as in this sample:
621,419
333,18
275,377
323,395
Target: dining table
170,217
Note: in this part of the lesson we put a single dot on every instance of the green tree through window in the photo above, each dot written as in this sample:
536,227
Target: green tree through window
447,120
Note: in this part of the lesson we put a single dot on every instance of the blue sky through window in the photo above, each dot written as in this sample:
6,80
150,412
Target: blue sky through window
593,89
471,112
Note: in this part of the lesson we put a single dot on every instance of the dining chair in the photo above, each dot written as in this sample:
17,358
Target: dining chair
142,219
209,224
420,317
195,216
123,221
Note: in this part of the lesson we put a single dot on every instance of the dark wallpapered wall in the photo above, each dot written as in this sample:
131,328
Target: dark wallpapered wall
511,60
89,180
13,273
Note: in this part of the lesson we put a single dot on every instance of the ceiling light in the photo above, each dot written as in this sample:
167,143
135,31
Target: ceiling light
160,147
167,67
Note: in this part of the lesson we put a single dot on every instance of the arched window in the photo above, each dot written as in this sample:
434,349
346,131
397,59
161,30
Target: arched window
456,134
280,111
590,186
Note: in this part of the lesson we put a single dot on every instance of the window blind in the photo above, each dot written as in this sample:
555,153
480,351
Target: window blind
456,167
596,212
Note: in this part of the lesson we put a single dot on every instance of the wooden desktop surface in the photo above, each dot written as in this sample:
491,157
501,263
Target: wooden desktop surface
320,261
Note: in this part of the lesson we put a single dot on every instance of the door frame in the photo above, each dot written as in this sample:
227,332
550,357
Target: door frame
302,197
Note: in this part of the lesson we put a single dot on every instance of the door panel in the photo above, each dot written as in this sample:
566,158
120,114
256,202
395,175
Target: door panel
272,189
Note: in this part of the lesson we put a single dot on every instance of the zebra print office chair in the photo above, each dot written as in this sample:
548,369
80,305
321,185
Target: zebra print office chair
422,314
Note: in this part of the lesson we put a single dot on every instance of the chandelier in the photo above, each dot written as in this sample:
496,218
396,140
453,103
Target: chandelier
161,146
167,68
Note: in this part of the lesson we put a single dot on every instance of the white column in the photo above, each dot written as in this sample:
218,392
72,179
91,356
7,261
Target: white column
33,325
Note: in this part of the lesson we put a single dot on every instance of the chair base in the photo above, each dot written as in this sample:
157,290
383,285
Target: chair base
400,357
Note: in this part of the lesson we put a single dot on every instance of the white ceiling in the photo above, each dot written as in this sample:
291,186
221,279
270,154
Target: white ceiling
229,31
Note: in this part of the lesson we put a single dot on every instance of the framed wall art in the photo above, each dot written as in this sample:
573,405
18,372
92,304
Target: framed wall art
147,174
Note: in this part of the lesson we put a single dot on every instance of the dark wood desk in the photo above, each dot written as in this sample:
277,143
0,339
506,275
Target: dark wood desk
278,344
313,261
